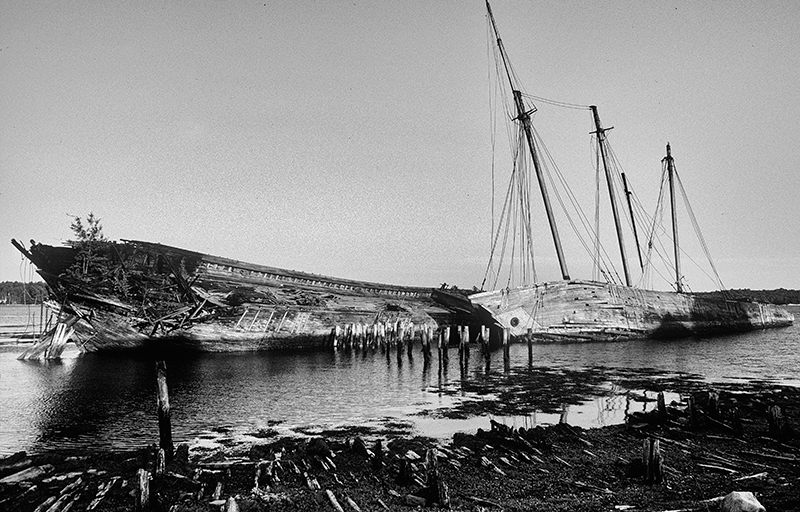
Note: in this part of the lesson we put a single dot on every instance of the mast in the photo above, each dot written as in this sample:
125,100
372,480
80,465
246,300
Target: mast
523,116
628,194
601,138
670,174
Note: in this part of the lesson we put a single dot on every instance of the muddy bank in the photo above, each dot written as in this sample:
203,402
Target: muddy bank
724,442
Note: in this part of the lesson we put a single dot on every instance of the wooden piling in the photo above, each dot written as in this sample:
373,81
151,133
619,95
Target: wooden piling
692,410
460,338
778,429
143,490
506,349
466,338
651,461
445,344
662,409
164,422
529,339
426,344
486,333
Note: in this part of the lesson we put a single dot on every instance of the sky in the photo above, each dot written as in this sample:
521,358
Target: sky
354,139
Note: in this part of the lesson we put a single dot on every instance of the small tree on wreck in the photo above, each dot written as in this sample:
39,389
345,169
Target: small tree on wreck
89,240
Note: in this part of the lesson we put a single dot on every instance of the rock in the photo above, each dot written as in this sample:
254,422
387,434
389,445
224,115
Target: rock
359,447
260,452
318,446
741,502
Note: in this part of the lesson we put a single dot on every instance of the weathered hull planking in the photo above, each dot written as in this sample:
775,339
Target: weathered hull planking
156,297
595,311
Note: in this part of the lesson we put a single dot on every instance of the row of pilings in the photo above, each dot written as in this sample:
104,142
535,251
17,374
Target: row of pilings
403,336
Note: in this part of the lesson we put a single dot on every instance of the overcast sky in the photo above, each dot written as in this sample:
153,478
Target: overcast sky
354,138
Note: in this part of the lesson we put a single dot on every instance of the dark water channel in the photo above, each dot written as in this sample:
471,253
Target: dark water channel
91,401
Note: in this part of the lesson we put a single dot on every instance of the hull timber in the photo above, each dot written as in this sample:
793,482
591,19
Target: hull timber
595,311
160,298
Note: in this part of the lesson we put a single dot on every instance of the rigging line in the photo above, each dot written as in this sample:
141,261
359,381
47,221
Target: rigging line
556,103
604,258
496,238
659,248
697,230
573,201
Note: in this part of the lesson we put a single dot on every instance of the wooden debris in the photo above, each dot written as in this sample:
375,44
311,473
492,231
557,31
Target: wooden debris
102,492
352,504
333,501
27,474
143,491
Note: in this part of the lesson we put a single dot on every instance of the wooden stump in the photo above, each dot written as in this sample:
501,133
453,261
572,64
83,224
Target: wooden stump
662,409
143,491
713,404
651,461
436,491
164,422
692,411
778,428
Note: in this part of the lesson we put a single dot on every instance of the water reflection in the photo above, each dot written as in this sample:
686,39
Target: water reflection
101,401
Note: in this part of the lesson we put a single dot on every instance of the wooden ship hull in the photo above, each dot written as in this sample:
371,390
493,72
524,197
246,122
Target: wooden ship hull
595,311
136,295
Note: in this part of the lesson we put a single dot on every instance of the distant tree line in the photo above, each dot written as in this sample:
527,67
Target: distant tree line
779,296
14,292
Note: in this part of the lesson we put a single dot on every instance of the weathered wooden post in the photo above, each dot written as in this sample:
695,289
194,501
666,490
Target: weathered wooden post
651,461
662,409
778,429
412,332
164,422
446,343
713,403
441,347
692,410
466,337
460,338
143,490
530,346
486,333
426,344
506,349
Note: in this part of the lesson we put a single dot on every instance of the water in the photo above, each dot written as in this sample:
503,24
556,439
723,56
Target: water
94,401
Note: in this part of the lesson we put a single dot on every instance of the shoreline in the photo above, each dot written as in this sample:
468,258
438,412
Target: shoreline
724,443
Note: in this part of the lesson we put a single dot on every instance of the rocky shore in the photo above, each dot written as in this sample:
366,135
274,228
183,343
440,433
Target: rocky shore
677,457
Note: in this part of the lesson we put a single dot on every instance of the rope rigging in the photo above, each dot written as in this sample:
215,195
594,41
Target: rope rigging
512,233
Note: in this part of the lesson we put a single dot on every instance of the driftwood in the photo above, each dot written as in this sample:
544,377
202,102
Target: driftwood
27,474
101,493
333,501
143,490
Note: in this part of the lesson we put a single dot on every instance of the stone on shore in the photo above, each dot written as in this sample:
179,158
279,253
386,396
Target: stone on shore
741,502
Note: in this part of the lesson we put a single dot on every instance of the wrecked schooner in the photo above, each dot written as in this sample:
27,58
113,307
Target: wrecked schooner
133,294
126,295
594,310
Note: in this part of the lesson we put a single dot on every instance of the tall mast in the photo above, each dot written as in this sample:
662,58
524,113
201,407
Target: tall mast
523,116
601,138
670,174
633,220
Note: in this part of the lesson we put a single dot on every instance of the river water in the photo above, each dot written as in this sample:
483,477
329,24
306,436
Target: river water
96,401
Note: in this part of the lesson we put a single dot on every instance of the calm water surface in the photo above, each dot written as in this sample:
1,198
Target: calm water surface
91,401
